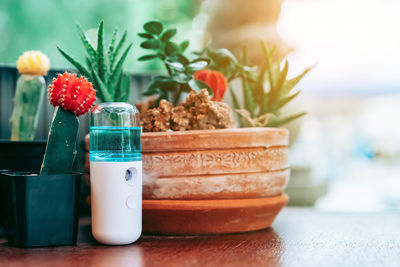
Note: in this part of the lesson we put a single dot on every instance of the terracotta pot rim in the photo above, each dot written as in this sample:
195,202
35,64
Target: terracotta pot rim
228,130
214,139
212,204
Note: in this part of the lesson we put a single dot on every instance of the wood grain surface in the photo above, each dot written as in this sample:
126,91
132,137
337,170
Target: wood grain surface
299,237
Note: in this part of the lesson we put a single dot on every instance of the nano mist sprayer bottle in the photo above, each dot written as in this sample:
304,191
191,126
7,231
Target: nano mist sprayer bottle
115,173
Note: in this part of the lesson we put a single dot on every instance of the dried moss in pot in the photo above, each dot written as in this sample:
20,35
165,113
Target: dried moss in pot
197,112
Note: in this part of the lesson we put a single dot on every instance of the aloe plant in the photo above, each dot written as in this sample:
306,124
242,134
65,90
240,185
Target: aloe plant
104,65
262,106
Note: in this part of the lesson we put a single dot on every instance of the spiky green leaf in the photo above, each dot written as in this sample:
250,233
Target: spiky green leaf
111,47
117,49
88,47
118,67
290,84
283,76
81,68
102,68
235,100
285,100
276,122
123,90
102,87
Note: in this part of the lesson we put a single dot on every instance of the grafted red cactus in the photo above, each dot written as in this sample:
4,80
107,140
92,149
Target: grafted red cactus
72,96
72,93
215,80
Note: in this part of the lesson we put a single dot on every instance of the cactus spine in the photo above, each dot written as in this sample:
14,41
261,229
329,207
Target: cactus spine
27,102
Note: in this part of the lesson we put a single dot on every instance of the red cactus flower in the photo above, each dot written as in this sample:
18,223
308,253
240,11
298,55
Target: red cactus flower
215,80
72,93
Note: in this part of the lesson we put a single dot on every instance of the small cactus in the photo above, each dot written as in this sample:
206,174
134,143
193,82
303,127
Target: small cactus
29,95
215,80
72,96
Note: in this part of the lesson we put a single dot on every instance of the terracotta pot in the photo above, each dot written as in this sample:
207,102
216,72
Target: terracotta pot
185,217
214,164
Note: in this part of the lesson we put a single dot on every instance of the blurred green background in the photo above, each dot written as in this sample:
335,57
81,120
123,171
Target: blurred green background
43,24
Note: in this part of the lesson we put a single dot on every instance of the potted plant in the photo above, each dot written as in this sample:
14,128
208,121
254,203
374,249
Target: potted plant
43,207
21,152
208,179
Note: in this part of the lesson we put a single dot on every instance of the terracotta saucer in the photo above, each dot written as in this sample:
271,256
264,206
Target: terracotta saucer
197,217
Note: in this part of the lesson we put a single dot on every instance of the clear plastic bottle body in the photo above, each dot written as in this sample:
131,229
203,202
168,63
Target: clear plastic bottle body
115,133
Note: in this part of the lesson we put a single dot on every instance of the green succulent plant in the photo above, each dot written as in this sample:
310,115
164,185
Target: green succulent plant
262,106
179,67
104,65
224,61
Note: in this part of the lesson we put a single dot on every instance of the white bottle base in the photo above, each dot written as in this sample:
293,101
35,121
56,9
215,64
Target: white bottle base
116,200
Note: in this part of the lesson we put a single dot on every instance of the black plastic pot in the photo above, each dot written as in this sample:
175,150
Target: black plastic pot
41,210
2,201
21,156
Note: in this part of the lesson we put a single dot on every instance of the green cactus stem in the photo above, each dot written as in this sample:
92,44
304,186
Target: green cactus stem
61,144
27,102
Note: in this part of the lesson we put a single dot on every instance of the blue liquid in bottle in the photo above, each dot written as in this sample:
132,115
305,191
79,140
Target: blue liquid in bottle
115,143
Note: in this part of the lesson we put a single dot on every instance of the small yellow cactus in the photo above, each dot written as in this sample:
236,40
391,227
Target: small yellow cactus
34,63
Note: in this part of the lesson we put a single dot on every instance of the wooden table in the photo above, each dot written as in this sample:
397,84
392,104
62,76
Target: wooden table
299,237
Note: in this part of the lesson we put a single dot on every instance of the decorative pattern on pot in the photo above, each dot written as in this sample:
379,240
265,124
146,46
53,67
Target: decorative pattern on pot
216,161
